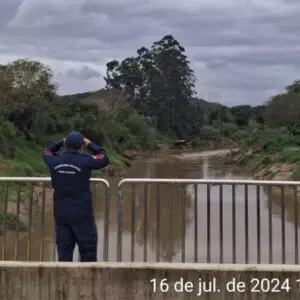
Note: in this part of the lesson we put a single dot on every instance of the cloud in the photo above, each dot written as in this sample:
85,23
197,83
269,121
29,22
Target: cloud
84,73
242,51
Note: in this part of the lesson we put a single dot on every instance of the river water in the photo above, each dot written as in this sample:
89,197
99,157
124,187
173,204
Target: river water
178,214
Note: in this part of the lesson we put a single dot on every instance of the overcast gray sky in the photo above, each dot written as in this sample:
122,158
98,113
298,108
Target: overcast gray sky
242,51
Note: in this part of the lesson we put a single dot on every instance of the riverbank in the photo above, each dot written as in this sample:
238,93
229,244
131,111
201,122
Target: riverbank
284,166
28,162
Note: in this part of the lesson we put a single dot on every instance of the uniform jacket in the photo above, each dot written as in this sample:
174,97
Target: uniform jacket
70,176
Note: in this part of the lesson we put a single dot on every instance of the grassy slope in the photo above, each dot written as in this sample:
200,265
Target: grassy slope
284,165
28,161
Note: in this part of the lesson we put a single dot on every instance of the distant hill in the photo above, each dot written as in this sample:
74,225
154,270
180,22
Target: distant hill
100,94
98,97
206,104
81,96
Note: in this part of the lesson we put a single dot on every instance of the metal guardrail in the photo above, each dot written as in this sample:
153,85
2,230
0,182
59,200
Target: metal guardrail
190,214
261,241
209,181
28,192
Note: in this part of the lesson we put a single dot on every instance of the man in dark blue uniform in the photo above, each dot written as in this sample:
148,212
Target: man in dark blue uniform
73,210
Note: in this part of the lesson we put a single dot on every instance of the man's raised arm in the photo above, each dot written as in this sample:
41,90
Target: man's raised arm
99,159
51,150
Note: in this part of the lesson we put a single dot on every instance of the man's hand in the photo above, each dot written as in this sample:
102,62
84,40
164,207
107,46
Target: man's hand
86,141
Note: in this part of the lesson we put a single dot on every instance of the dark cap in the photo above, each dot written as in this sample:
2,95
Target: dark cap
74,140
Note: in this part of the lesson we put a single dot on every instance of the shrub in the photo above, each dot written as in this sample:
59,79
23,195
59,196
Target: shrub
8,135
289,155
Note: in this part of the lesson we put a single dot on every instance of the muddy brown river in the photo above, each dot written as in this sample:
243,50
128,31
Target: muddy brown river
181,217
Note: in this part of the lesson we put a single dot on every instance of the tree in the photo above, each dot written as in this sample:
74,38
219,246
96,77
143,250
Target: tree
242,114
284,109
294,87
259,114
177,83
159,81
219,114
30,94
111,101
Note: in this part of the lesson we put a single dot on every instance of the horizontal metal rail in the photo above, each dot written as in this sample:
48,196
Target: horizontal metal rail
44,179
208,181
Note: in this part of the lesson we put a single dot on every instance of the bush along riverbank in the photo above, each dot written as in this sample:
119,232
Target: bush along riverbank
271,154
270,167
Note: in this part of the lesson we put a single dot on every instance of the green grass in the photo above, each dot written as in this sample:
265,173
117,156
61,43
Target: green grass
31,159
28,161
289,155
114,158
258,160
163,138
